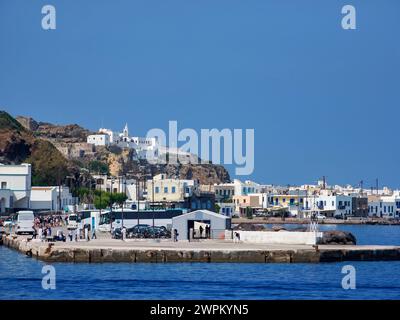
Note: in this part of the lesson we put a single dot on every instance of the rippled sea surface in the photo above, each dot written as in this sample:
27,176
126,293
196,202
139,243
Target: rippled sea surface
21,277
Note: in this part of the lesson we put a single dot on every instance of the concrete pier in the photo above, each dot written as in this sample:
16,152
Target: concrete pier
111,250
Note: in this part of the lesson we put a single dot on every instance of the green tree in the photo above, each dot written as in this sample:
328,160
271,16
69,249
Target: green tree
101,199
85,195
118,198
217,208
98,167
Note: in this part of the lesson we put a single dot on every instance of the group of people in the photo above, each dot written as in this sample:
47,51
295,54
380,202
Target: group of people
207,231
50,221
45,232
87,233
44,226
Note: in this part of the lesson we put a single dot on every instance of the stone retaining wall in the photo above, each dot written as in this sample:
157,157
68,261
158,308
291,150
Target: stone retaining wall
93,255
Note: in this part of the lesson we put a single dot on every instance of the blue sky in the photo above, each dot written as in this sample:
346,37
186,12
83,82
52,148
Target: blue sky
322,100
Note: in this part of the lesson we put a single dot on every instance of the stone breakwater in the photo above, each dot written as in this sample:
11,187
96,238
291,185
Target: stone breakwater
162,252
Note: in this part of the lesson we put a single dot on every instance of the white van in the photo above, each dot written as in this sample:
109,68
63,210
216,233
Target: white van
25,222
72,221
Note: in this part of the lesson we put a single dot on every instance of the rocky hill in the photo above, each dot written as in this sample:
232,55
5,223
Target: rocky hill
64,133
18,144
47,146
15,140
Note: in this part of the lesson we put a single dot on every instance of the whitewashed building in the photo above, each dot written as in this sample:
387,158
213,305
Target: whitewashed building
331,204
245,188
382,206
15,187
143,146
51,198
99,139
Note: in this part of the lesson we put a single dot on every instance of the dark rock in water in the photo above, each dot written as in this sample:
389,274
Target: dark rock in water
299,229
249,227
338,237
278,228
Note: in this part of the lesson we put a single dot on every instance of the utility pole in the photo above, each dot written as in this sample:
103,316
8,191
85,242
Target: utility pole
152,195
137,198
59,197
377,186
122,209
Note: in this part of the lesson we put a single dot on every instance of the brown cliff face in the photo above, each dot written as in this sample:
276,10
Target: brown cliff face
60,133
15,140
66,133
14,148
204,173
17,145
28,123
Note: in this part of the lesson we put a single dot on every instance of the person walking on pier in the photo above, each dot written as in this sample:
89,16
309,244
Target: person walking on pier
34,234
123,232
236,238
207,231
40,233
87,226
94,236
201,231
176,234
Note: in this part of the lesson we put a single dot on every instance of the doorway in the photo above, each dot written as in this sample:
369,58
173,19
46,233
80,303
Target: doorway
201,229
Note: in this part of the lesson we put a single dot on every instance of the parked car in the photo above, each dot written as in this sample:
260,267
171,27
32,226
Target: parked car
8,222
146,231
320,217
138,231
159,232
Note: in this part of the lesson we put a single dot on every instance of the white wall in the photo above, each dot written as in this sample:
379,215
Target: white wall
279,237
17,179
99,139
244,188
46,198
382,208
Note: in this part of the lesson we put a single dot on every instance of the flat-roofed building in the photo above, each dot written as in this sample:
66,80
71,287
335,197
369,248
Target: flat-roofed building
15,187
52,198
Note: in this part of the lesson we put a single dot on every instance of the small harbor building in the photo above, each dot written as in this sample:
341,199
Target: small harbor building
194,225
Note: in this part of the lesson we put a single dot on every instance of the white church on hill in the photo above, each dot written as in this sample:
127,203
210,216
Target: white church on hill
142,146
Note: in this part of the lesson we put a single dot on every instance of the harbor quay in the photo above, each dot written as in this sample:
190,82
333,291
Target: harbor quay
164,251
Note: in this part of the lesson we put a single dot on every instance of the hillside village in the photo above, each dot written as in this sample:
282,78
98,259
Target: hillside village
56,161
